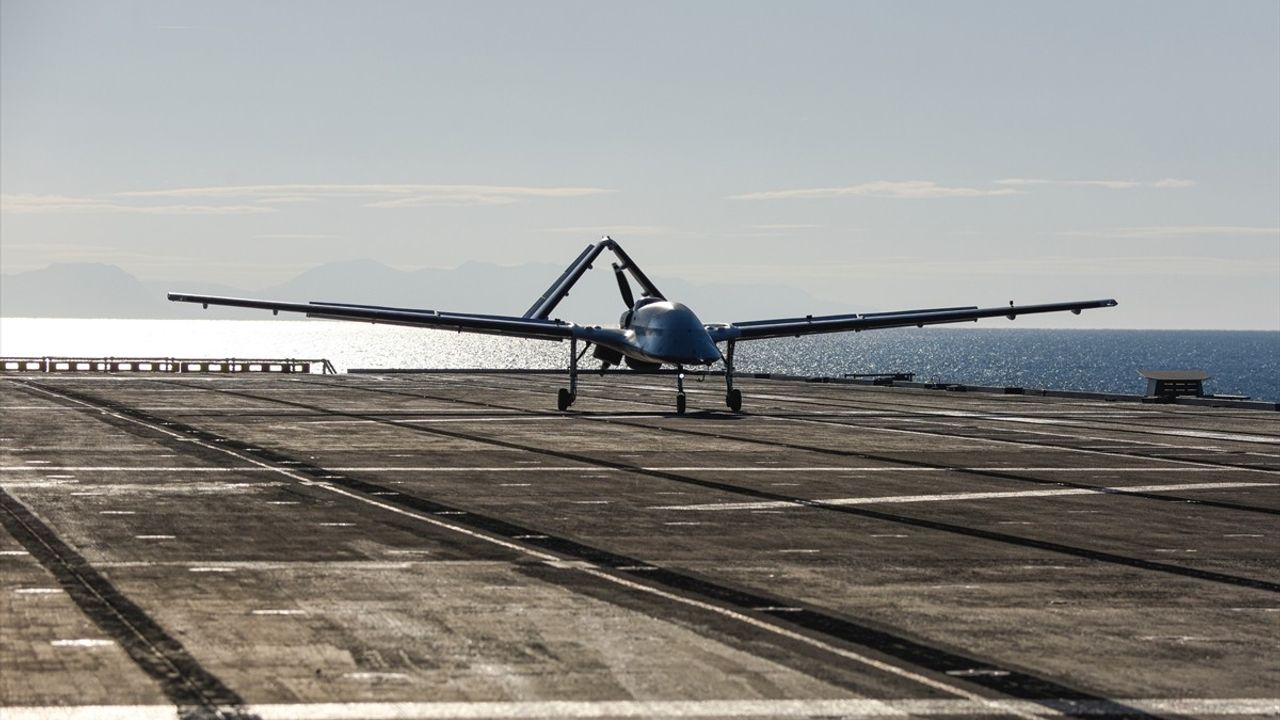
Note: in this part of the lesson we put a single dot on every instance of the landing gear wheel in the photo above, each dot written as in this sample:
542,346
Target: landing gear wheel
679,403
564,399
734,400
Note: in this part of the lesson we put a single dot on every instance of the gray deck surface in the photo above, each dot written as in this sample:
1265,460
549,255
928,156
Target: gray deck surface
448,545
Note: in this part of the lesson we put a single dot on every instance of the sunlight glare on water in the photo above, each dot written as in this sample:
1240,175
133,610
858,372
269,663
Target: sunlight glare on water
1242,363
346,345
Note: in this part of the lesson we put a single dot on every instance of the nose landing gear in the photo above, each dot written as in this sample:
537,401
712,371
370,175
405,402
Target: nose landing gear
680,399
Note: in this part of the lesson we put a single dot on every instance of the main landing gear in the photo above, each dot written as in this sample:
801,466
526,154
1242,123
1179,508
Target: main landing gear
733,396
566,396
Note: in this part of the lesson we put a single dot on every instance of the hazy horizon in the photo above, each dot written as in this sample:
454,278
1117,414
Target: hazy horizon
595,301
897,155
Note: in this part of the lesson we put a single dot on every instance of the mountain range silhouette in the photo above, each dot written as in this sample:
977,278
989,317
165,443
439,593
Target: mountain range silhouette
96,290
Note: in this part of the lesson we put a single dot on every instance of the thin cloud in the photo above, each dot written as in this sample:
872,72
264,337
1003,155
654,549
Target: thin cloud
285,200
33,204
1047,266
193,209
294,236
1170,231
1108,184
908,189
263,198
445,200
381,195
51,253
619,230
782,231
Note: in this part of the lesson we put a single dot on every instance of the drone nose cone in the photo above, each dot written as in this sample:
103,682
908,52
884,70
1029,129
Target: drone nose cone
707,352
712,354
688,350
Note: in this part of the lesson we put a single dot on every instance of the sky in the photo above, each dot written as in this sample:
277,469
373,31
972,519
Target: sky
880,155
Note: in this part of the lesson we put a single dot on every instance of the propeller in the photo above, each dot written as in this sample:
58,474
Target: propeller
623,286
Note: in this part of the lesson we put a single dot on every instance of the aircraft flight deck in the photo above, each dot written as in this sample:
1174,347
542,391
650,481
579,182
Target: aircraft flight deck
448,546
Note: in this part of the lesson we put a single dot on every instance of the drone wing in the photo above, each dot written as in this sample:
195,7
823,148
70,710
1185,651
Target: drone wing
808,325
461,322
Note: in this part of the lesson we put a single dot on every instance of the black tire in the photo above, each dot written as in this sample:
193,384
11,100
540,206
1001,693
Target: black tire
734,400
680,403
564,399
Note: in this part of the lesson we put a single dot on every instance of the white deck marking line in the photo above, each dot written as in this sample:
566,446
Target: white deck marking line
376,676
998,706
600,709
260,565
437,421
952,497
1024,443
1122,443
1205,434
662,468
595,710
82,642
125,468
55,408
1126,442
1200,468
1212,435
880,468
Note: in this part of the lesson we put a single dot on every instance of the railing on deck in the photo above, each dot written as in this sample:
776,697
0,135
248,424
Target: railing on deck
165,365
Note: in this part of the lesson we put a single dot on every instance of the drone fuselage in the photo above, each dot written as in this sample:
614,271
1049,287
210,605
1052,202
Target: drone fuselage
658,331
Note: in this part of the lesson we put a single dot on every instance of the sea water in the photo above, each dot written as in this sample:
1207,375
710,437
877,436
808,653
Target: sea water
1240,362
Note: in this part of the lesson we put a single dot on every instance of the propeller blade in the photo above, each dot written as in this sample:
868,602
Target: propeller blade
623,286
